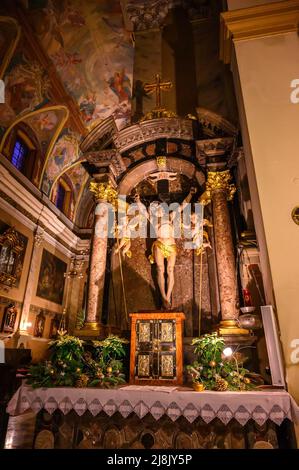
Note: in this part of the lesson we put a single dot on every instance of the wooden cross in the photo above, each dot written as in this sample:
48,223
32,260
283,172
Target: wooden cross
157,87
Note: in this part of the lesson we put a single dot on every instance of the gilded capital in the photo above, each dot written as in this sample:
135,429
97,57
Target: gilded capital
218,181
103,191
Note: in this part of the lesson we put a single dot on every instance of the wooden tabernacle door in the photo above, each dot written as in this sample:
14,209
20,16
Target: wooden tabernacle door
156,348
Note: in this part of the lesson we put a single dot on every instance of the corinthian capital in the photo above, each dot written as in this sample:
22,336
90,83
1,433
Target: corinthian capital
218,181
103,191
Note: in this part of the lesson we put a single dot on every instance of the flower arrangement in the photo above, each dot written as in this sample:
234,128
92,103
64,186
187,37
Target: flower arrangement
213,370
77,363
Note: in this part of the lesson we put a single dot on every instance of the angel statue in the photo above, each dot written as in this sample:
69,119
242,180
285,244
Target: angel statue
199,236
125,230
123,238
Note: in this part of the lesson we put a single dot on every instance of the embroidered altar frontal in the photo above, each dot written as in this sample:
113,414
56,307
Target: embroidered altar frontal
153,417
156,348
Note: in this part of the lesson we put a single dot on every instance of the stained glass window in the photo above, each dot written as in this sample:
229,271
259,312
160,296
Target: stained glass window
19,155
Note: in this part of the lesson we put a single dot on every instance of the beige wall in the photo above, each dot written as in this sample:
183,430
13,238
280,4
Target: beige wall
38,345
266,68
43,303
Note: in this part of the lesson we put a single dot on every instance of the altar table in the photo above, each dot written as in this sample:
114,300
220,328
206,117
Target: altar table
149,408
257,405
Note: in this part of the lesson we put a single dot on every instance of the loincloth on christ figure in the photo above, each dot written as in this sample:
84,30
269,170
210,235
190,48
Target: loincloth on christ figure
166,250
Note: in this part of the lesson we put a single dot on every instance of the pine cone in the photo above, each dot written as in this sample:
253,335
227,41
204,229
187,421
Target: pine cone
221,384
82,381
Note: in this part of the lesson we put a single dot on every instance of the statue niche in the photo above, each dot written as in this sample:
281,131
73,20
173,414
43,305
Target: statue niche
9,318
12,249
155,267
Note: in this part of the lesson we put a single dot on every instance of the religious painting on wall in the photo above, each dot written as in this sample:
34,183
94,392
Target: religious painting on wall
51,278
12,251
39,325
9,318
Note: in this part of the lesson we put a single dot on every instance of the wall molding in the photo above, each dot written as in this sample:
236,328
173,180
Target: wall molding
146,131
17,201
254,22
4,301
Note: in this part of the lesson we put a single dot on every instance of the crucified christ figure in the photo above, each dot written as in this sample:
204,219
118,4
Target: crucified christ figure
164,247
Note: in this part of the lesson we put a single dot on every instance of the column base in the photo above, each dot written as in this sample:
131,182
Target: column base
231,327
112,330
96,329
90,329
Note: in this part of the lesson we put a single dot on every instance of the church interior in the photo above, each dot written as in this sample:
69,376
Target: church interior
108,109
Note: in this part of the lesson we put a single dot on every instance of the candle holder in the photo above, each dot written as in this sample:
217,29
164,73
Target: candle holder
248,319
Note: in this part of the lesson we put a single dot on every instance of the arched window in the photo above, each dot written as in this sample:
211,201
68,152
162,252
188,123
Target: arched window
24,152
19,154
63,196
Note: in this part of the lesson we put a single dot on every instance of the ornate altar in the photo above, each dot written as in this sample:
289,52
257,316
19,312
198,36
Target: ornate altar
156,348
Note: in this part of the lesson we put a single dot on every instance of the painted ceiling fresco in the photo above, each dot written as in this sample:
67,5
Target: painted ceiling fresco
27,87
64,154
92,53
68,65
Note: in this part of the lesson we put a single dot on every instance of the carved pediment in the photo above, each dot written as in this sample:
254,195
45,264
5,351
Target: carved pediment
154,129
106,158
215,125
100,136
141,15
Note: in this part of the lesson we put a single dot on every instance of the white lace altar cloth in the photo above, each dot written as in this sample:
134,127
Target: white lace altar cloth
158,401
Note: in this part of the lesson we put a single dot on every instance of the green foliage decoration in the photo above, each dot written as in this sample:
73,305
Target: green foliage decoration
215,371
77,363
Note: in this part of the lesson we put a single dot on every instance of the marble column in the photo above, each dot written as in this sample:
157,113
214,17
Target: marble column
105,196
219,190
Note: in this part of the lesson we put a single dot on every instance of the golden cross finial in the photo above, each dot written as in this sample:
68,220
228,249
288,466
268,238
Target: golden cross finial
157,87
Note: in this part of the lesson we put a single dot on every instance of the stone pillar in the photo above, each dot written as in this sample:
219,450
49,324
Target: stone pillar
103,188
38,237
219,191
75,289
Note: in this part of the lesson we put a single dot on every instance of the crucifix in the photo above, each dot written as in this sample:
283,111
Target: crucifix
157,87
